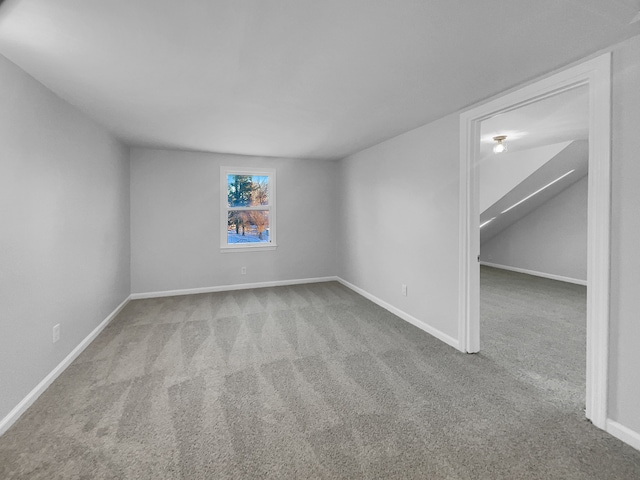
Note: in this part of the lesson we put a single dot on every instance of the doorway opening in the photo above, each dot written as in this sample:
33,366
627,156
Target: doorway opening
533,244
595,75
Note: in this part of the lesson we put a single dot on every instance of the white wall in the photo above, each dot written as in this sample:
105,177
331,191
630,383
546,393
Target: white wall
552,239
399,222
175,226
64,242
624,377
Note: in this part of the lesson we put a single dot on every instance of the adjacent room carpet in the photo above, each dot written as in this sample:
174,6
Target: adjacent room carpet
314,381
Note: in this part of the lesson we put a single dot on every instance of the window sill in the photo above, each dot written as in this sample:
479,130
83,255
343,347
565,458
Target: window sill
248,248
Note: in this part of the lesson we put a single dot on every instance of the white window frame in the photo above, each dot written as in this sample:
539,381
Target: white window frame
224,209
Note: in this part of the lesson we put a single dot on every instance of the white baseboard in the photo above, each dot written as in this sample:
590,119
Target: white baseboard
33,395
623,433
560,278
619,431
403,315
279,283
226,288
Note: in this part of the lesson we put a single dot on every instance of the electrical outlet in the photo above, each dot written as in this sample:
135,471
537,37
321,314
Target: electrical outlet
56,332
404,290
243,270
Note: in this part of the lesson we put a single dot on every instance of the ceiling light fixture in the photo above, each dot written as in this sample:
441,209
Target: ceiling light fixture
537,191
488,222
500,147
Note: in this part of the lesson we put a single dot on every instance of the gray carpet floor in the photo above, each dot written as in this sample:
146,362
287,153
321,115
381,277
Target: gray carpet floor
314,381
536,329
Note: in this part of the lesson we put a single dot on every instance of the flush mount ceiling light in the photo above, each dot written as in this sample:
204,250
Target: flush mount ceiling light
500,147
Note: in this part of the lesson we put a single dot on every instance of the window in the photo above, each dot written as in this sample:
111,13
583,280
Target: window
248,213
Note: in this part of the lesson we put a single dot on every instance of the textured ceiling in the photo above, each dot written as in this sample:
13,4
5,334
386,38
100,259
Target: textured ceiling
296,78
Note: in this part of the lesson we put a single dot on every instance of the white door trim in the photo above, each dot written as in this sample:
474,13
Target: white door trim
595,73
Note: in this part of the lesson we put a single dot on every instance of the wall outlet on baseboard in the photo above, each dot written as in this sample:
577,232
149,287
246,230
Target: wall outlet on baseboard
243,270
404,290
56,332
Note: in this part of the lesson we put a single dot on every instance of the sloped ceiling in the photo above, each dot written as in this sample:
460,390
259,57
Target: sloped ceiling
558,118
534,159
574,158
499,174
297,78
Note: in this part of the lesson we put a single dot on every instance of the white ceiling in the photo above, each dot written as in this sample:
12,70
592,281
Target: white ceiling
296,78
575,157
560,118
555,120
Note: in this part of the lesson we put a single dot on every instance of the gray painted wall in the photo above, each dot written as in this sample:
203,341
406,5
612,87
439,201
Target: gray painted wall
552,239
399,222
175,231
65,252
624,378
410,184
64,243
